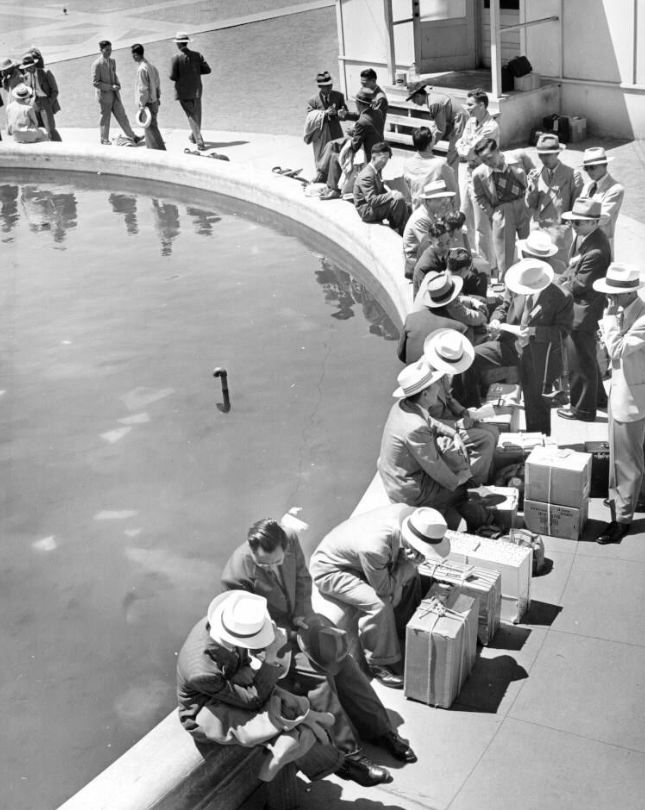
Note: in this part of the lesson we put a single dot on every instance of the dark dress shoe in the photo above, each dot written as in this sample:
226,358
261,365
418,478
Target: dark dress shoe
387,677
332,194
358,768
567,413
613,533
138,139
397,746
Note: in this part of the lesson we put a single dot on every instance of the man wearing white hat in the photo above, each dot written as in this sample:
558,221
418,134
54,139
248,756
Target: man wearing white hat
437,199
604,188
186,71
422,461
589,258
539,245
543,313
623,332
363,570
553,189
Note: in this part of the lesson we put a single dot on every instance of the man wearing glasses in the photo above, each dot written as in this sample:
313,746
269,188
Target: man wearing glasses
603,188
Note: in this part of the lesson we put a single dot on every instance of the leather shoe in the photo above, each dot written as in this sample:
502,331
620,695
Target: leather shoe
613,533
567,413
386,677
332,194
397,746
358,768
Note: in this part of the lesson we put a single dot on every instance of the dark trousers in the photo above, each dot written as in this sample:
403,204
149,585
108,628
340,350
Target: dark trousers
396,211
533,364
193,109
43,109
580,350
488,355
152,134
455,505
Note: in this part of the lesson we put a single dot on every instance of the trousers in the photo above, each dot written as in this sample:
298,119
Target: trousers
193,109
626,466
580,349
110,105
477,222
509,220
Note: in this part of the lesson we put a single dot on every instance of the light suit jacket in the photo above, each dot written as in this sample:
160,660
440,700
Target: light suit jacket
548,199
626,347
104,76
610,195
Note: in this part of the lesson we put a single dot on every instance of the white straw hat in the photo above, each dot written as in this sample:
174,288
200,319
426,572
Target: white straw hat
449,351
539,244
415,378
620,278
528,276
242,619
425,531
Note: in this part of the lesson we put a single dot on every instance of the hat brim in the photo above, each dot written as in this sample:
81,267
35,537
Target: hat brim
514,284
553,151
598,162
325,84
571,215
143,117
440,363
601,285
218,632
425,299
182,39
399,393
429,550
521,243
438,195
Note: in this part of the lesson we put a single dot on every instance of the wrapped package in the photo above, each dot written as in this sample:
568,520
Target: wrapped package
557,476
478,583
440,646
504,394
513,562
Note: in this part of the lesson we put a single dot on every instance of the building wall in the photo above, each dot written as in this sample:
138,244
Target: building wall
510,40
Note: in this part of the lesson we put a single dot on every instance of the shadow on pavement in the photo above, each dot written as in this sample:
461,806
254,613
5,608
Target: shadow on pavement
488,683
542,613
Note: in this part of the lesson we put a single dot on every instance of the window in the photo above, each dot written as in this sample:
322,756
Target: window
510,5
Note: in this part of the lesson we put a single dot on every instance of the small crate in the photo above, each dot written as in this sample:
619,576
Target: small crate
577,128
529,82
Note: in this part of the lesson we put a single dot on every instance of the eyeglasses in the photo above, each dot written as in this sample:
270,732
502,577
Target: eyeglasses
579,221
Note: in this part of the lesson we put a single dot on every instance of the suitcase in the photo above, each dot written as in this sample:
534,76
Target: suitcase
558,124
527,539
504,394
599,468
440,646
486,586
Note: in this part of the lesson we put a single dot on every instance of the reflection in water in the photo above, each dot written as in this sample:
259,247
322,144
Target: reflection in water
166,217
8,207
47,211
126,204
203,220
343,291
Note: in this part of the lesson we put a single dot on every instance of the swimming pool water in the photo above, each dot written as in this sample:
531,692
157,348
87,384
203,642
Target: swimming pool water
125,487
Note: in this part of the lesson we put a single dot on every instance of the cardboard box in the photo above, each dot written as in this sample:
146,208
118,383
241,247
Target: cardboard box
513,562
577,128
529,82
555,520
504,394
519,443
440,646
486,586
599,468
557,476
507,418
501,501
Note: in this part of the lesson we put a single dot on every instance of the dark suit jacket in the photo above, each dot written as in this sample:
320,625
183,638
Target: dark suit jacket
365,133
316,102
552,321
369,191
186,71
284,603
416,329
589,259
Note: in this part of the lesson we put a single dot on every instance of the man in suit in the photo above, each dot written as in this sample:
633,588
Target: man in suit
623,332
603,188
45,91
552,190
447,118
543,314
108,95
271,564
373,201
332,109
499,184
147,95
416,328
589,258
437,200
364,573
422,461
186,71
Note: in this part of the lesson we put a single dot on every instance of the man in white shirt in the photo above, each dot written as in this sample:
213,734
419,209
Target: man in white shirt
147,93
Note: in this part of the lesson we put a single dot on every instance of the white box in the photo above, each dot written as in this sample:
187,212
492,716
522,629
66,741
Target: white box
557,475
554,520
529,82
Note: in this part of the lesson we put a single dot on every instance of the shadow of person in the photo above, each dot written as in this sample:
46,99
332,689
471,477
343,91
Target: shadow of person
488,683
221,144
325,794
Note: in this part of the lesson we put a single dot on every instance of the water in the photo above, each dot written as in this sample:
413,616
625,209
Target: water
125,487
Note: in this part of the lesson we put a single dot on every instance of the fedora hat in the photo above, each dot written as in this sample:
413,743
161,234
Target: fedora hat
528,276
182,36
143,117
28,60
549,144
415,378
434,189
8,64
584,208
364,95
323,79
242,619
594,156
416,87
448,350
425,531
620,278
22,92
538,244
323,643
439,289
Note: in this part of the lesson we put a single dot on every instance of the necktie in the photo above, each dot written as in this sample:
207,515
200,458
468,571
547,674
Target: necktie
593,188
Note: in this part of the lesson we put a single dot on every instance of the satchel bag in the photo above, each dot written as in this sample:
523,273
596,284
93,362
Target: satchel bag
519,66
526,539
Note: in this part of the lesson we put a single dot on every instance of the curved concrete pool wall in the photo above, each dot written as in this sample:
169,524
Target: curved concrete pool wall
163,770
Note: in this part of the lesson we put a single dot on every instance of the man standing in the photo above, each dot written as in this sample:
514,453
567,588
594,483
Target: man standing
424,167
147,94
332,109
379,102
108,94
552,190
364,572
186,71
499,185
603,188
271,564
45,93
623,332
589,258
447,118
373,201
480,125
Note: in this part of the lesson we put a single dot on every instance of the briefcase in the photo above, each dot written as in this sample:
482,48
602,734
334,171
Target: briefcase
599,468
440,646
